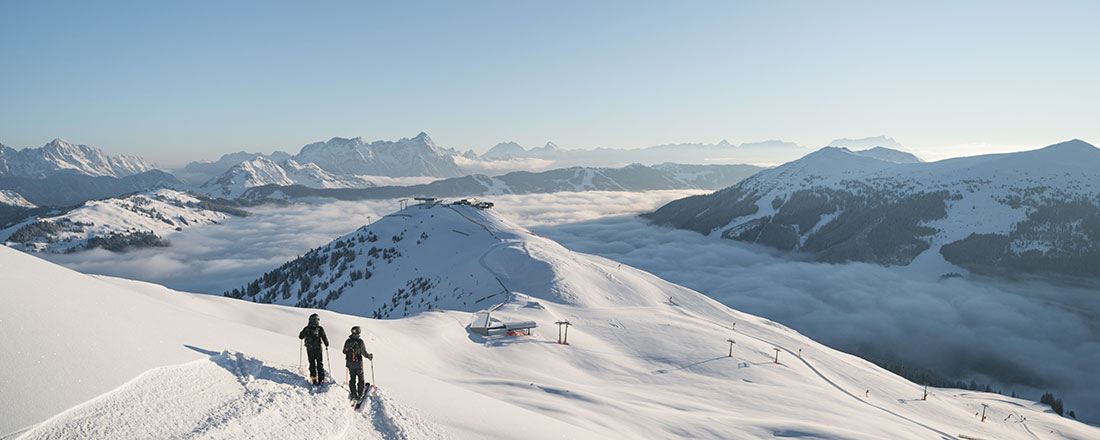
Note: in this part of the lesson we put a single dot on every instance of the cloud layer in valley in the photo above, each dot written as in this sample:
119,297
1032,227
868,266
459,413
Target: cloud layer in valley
1025,336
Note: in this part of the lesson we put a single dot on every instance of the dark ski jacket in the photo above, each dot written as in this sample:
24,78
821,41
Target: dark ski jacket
313,335
354,351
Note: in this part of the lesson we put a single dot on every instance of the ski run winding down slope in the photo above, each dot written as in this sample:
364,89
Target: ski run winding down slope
97,357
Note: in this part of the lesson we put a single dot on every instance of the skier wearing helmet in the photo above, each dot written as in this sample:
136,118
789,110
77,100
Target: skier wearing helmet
313,335
354,352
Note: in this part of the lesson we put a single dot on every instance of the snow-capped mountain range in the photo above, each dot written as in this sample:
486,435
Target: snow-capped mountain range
416,156
136,220
200,172
59,156
336,163
263,171
1029,211
577,179
355,163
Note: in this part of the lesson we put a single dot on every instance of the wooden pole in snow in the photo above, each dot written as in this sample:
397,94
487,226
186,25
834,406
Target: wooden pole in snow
984,406
730,340
776,355
925,392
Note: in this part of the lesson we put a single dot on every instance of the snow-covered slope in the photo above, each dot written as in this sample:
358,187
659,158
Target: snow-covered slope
59,156
645,359
13,199
1033,210
262,171
140,219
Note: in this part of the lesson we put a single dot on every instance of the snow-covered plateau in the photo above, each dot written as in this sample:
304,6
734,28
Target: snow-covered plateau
97,357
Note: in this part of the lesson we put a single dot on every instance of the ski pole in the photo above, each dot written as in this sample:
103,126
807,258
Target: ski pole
374,386
300,344
327,355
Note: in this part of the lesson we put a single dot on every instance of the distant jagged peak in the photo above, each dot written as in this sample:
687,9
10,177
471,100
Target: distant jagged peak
66,148
724,143
550,146
345,142
505,150
423,137
257,161
61,144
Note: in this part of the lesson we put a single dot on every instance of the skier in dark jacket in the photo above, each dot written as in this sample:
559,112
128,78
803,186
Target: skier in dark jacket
354,351
313,335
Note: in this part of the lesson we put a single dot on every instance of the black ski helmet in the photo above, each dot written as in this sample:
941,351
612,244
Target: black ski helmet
314,318
355,330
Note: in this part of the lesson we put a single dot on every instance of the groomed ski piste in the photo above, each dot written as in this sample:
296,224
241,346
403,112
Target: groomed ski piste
96,357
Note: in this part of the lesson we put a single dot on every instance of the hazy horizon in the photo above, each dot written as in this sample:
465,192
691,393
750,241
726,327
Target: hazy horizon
181,82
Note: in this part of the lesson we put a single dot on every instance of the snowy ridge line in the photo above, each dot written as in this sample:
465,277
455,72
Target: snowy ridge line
229,395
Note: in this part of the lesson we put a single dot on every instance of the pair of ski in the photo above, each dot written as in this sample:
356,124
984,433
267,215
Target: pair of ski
358,403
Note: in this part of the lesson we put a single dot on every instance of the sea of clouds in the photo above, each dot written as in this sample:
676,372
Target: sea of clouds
1022,336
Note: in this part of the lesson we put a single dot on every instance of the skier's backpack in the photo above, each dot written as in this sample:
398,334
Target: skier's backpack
312,335
352,352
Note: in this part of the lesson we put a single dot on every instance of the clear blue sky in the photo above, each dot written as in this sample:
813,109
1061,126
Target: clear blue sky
177,81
